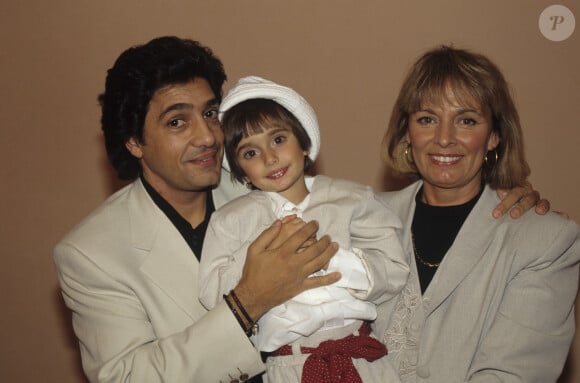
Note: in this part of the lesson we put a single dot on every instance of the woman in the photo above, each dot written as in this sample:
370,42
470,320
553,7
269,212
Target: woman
487,300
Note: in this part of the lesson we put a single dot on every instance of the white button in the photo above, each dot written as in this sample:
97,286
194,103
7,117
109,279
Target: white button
415,326
423,372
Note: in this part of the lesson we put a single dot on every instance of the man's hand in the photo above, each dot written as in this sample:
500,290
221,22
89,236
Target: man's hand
290,225
276,271
519,200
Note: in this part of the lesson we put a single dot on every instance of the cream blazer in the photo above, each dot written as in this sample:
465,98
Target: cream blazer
500,307
131,282
351,215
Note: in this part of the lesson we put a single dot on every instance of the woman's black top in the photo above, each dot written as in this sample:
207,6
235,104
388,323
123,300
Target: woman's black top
434,229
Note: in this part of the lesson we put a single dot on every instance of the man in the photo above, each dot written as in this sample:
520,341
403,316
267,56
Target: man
128,272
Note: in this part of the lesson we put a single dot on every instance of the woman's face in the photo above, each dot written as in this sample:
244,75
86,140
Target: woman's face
449,141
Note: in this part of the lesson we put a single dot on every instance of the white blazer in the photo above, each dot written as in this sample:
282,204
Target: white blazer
500,307
352,216
131,282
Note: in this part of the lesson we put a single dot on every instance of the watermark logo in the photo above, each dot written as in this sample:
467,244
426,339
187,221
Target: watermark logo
557,23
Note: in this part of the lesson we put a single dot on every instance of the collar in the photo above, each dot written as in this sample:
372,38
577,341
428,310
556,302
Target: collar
193,236
282,207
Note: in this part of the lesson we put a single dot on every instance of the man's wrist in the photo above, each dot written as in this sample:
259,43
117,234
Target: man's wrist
254,303
248,324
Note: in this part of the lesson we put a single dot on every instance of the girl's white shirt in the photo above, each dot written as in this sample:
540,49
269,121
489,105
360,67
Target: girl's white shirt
319,309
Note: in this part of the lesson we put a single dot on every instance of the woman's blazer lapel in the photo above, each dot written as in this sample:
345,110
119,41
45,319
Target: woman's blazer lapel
467,250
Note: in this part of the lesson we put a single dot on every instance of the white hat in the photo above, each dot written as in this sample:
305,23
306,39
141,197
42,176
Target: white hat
253,87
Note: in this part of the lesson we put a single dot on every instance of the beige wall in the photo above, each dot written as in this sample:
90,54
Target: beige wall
346,57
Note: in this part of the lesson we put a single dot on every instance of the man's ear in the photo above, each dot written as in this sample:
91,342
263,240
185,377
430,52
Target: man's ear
134,147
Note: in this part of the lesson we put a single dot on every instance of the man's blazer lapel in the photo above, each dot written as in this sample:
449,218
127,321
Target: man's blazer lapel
167,259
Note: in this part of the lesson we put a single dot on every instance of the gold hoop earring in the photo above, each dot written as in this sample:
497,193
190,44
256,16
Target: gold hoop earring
488,161
409,153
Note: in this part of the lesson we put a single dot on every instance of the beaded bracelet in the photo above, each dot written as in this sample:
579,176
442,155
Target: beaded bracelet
253,327
241,307
235,312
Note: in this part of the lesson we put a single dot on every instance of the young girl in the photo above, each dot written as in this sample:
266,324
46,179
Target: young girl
271,138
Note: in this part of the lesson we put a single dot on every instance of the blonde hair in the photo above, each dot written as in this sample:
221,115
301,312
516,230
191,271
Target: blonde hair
469,76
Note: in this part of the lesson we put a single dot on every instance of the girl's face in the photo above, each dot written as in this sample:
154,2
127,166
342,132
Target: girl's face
449,141
274,161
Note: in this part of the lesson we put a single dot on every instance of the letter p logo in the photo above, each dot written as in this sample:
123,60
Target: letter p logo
556,20
557,23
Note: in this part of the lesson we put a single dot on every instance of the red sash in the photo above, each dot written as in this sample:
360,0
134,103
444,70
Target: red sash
331,361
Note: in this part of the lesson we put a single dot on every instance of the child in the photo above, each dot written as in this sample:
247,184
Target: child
271,137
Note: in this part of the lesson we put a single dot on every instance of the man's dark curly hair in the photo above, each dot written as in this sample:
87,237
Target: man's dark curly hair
133,80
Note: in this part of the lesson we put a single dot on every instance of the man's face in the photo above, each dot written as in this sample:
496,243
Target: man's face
182,146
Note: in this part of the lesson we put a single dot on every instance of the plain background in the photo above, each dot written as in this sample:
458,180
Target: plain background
346,57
